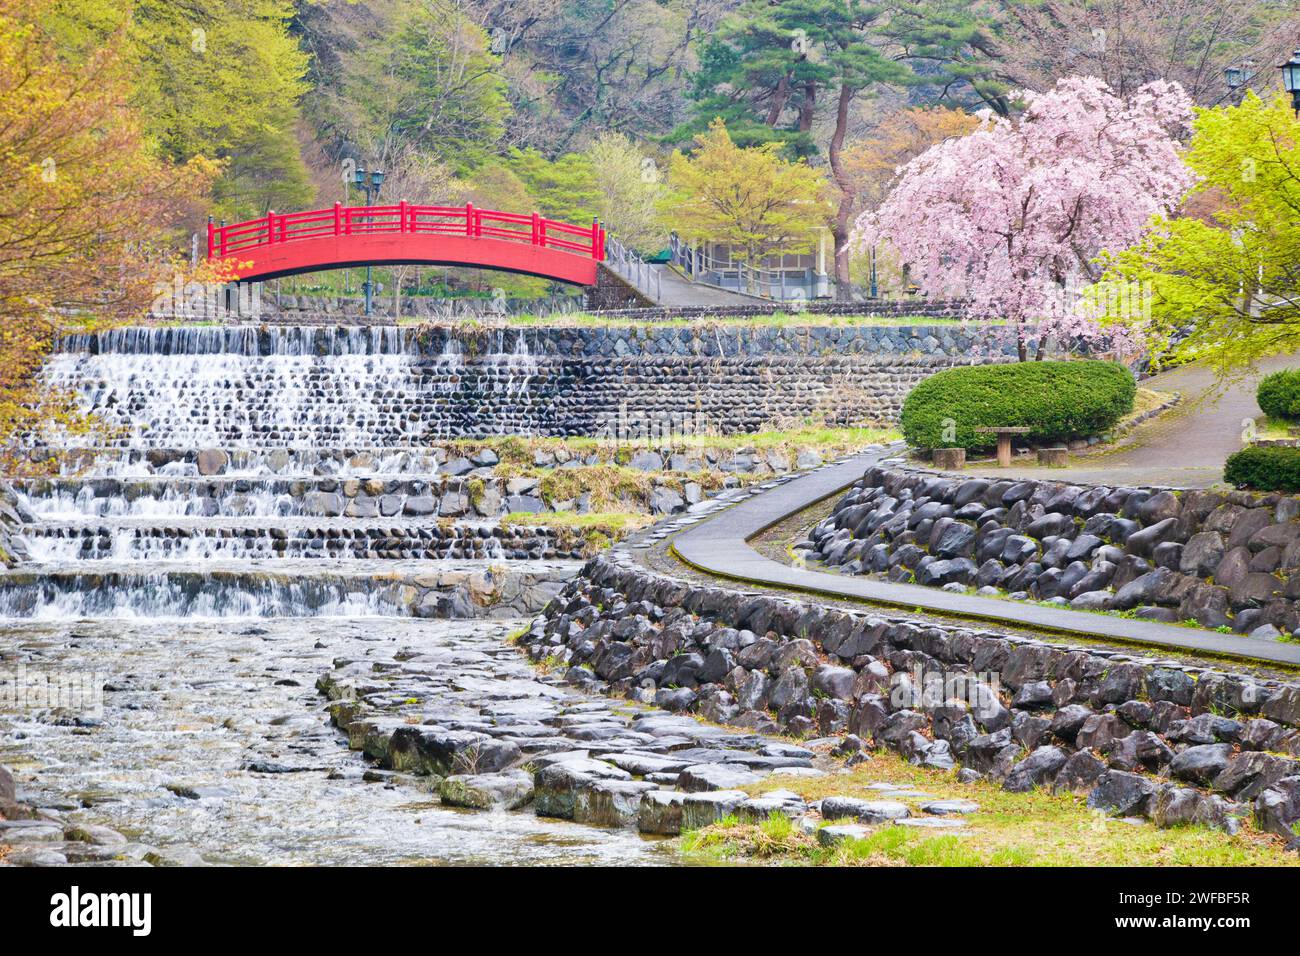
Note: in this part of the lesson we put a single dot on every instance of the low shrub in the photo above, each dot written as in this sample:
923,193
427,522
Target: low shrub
1279,394
1055,400
1275,468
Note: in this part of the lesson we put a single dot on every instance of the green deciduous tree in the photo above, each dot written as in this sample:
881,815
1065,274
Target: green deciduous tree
430,80
750,198
1225,283
220,79
564,188
629,186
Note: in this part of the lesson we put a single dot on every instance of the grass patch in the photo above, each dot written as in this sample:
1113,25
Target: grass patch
777,319
1273,429
828,440
1146,399
592,532
1010,829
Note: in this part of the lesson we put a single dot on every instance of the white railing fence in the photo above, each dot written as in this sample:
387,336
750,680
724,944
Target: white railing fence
639,273
783,285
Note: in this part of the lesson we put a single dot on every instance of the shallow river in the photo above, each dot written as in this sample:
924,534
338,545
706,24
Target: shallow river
192,707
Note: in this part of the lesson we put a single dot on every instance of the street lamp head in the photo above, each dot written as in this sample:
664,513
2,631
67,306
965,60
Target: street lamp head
359,176
1291,78
1291,73
376,178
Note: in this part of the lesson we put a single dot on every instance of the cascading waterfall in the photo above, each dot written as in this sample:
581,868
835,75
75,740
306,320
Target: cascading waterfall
216,487
244,389
65,591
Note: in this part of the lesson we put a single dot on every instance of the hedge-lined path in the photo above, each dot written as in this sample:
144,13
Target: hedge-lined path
718,545
1184,447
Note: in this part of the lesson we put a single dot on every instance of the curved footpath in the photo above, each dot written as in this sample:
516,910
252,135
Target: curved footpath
719,545
1184,447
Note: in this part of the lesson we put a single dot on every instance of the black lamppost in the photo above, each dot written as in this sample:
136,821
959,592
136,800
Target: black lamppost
1236,77
1291,79
369,182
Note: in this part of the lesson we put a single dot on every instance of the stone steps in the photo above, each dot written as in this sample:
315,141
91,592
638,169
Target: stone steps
191,541
247,588
360,498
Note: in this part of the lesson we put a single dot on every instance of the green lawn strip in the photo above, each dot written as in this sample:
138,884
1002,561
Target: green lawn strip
824,439
1273,429
593,532
1033,829
778,319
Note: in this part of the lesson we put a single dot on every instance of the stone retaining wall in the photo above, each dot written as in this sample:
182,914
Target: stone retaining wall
504,590
13,548
615,382
1175,742
473,498
463,343
312,469
1218,558
165,541
611,297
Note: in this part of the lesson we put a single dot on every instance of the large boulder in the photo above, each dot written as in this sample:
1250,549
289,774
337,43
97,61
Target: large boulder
212,461
610,803
714,776
1201,763
1277,809
1202,554
1036,770
556,786
864,811
661,812
701,809
1122,794
834,682
1079,773
487,791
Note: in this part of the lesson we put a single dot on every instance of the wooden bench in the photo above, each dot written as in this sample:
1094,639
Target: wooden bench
1004,433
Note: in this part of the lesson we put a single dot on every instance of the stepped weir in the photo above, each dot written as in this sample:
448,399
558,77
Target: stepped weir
259,505
264,507
278,472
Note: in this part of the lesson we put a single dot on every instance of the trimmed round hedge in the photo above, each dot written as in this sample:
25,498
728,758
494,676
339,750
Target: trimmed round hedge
1265,468
1279,394
1055,400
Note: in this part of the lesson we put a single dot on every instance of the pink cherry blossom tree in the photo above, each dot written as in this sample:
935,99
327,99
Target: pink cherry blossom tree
1015,213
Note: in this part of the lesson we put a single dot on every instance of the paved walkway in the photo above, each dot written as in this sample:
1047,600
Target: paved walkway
719,545
675,291
1182,448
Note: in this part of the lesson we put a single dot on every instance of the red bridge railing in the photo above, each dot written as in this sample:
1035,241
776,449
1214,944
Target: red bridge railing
275,228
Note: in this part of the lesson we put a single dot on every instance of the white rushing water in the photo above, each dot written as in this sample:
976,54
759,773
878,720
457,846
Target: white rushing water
304,388
207,606
211,741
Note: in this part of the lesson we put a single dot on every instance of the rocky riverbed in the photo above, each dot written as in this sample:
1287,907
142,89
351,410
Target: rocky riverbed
213,745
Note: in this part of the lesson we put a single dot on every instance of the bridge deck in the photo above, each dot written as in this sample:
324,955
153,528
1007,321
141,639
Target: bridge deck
284,244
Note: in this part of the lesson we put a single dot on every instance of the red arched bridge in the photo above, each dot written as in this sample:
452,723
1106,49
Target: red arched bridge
284,244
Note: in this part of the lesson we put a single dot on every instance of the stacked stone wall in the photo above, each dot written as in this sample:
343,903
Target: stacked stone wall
1220,559
1173,741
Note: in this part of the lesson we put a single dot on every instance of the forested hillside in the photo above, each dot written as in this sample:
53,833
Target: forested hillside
576,107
